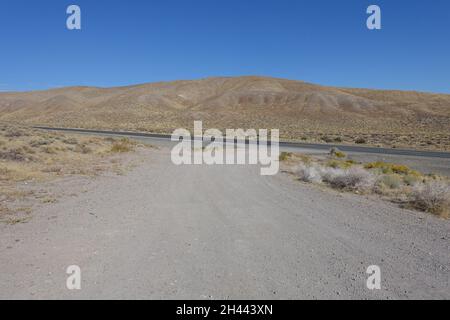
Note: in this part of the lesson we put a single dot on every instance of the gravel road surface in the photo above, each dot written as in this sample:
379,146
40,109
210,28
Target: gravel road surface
221,232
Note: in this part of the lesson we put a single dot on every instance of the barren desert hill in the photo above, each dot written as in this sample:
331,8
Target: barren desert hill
301,110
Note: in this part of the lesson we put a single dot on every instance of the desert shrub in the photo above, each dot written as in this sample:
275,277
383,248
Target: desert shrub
360,141
309,174
412,180
71,141
109,139
389,168
340,154
400,169
53,169
333,164
123,145
84,149
305,158
327,139
328,174
433,197
39,143
285,156
375,165
391,181
48,149
335,152
14,133
4,172
350,179
339,164
338,139
15,154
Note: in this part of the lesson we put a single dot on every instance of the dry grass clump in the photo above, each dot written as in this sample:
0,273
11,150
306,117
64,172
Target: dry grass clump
123,145
394,182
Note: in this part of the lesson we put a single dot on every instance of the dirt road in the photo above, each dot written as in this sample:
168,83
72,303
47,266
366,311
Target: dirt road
221,232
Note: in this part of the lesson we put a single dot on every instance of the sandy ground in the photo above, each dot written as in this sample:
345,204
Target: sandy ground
223,232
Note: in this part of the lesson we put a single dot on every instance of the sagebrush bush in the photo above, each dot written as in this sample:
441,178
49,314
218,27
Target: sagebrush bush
71,141
84,149
433,197
391,181
38,143
351,179
14,154
429,193
309,174
412,180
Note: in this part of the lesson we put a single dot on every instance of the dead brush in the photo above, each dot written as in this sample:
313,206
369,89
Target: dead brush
14,154
432,197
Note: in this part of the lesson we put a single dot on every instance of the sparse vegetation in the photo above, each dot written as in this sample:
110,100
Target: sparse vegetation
309,173
399,183
349,179
285,156
28,155
123,145
389,168
390,181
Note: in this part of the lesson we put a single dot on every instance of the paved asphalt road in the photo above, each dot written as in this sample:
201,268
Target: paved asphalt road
290,145
220,232
425,162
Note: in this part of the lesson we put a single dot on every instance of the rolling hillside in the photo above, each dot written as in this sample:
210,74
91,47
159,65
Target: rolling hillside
301,111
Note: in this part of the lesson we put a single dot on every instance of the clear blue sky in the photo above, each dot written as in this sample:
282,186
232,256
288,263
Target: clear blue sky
136,41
